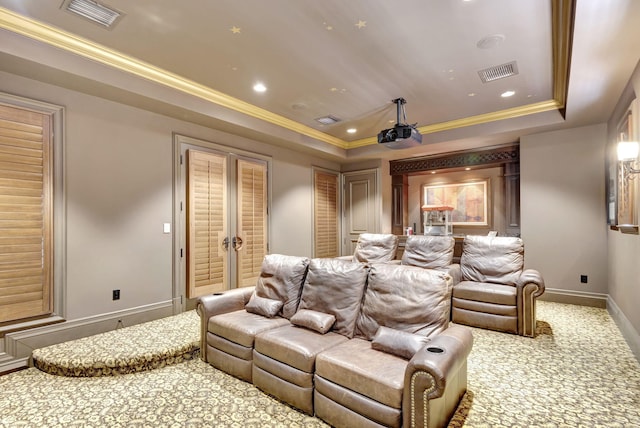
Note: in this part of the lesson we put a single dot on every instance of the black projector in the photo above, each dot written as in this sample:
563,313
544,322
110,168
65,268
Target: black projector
400,137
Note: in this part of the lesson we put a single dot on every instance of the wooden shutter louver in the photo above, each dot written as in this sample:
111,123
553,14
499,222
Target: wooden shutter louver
252,220
25,214
207,223
326,216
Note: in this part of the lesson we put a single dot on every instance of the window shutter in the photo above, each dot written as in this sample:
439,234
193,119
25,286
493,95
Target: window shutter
326,216
25,214
252,220
207,223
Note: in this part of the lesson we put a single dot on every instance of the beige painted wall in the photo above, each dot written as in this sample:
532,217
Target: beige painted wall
563,207
119,163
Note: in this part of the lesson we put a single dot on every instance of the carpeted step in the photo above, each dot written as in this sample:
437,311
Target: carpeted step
132,349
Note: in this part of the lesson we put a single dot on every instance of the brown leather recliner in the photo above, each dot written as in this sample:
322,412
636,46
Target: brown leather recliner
495,292
374,248
431,252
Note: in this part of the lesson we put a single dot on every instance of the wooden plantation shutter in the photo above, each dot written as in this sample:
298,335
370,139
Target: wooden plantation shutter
252,220
325,222
25,214
207,223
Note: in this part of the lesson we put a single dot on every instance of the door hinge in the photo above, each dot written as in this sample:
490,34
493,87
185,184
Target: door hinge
180,159
180,252
180,205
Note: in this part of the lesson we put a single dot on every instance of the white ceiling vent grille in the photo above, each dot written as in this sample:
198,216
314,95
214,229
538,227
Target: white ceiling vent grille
498,72
328,120
95,12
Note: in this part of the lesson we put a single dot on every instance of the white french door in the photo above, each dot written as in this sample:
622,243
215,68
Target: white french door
222,218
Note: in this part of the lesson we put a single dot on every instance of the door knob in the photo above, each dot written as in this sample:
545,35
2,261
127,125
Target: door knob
236,241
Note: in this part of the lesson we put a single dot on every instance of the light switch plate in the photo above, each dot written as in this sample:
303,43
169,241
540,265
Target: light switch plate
166,227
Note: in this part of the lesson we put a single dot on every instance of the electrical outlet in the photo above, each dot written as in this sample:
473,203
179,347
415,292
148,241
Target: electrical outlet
583,279
116,295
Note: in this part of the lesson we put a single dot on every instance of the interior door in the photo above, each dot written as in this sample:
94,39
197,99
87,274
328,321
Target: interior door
226,221
361,207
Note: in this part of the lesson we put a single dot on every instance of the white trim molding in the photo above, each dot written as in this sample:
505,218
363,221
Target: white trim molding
628,332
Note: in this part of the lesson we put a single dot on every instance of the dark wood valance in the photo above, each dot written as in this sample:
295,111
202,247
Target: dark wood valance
484,157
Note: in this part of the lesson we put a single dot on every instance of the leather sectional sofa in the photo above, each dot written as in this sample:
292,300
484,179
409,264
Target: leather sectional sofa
354,344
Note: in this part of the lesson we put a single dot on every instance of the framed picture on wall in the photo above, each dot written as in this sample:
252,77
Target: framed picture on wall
469,201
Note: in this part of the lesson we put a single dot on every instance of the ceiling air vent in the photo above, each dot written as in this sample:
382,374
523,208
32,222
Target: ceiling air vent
94,11
498,72
328,120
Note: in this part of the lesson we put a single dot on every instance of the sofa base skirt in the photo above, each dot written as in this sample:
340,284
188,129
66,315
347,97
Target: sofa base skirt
339,416
508,324
230,364
353,403
299,397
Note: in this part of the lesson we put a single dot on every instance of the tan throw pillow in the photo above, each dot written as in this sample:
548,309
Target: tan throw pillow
313,320
398,343
263,306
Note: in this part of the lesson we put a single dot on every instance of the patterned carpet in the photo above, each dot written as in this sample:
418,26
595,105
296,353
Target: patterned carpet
577,372
132,349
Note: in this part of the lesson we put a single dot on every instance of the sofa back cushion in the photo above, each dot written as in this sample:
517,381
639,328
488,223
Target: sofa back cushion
335,287
375,248
428,252
281,278
405,298
497,259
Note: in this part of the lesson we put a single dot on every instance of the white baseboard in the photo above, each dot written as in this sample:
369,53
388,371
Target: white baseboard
582,298
18,345
628,332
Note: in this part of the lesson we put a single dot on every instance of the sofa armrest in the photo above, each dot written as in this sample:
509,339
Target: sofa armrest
347,258
219,303
438,367
530,286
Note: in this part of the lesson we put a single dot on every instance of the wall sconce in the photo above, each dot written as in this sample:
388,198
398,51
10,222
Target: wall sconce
628,155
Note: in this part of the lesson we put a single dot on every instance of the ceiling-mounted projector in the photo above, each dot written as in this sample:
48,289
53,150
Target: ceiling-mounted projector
401,136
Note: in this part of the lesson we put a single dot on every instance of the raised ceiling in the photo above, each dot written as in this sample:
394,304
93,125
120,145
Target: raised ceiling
350,59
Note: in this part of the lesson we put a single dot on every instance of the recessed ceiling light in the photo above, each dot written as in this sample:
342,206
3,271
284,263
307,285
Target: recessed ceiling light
467,169
352,130
259,87
471,94
507,94
433,172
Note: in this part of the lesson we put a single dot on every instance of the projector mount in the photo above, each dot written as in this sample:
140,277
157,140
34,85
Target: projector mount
402,135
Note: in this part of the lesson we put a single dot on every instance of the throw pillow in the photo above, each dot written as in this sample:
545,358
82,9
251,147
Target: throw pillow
313,320
398,343
263,306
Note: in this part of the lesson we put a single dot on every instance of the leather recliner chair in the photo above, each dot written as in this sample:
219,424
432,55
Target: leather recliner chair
495,292
374,248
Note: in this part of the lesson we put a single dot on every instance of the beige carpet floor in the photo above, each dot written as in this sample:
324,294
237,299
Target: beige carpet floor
577,372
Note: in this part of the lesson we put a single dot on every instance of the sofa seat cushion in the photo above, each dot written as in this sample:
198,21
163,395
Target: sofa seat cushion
280,278
428,252
405,298
335,287
241,326
356,366
498,259
296,346
486,292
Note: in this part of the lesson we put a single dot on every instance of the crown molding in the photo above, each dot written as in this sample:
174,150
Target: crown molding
58,38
